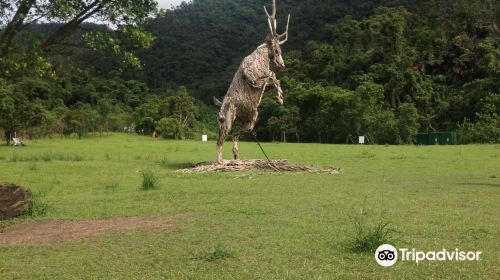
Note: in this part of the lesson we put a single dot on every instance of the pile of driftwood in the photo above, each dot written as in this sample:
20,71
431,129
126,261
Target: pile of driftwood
255,164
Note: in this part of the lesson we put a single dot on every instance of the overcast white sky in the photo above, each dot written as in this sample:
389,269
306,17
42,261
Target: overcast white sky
167,4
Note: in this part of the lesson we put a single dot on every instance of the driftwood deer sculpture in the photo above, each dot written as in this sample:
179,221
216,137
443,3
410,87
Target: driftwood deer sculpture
249,85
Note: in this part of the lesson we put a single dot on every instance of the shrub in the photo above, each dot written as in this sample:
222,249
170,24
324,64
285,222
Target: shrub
485,130
168,128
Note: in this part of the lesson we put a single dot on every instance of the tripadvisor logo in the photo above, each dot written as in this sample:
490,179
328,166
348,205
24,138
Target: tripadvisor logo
387,255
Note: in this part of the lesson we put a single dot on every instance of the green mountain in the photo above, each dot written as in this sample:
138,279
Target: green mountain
386,69
439,58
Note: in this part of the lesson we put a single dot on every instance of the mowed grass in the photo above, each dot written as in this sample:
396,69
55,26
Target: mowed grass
255,225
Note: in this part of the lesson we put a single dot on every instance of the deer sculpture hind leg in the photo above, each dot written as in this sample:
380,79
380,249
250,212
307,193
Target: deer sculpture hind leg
236,152
220,142
226,119
247,127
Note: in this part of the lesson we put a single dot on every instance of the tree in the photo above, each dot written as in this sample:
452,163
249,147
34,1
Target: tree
168,127
126,15
485,130
145,115
286,121
181,107
407,122
18,110
81,120
8,121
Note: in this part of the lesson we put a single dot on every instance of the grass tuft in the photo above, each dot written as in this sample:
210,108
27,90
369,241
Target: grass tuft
33,167
47,157
137,157
366,154
366,238
164,162
217,254
112,187
149,179
14,158
38,206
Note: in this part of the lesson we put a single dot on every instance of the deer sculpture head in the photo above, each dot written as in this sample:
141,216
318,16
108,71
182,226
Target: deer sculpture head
275,40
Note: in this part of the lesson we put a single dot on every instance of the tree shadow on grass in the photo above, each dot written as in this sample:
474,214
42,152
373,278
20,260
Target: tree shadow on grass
481,184
176,164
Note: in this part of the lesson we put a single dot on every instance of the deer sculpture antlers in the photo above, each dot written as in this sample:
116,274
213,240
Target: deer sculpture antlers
271,20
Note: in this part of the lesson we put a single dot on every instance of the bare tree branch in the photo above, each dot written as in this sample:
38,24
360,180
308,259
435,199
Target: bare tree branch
68,27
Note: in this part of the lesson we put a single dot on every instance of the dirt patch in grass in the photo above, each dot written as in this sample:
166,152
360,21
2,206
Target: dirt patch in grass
279,166
49,232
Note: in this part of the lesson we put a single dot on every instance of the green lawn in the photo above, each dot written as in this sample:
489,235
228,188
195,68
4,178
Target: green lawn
270,226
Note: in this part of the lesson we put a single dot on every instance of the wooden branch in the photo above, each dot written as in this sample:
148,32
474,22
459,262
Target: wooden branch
279,166
67,28
72,45
35,19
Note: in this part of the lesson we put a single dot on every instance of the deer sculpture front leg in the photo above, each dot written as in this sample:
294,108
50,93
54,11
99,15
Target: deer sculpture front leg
277,86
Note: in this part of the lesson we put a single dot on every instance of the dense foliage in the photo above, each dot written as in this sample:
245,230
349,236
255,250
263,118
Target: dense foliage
384,69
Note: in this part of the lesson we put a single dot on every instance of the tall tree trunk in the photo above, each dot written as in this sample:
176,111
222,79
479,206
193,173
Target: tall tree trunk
14,25
393,99
8,135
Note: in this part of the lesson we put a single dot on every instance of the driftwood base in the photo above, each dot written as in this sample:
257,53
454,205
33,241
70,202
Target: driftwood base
14,201
255,164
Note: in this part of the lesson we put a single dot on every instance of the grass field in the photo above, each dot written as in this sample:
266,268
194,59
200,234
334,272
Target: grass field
255,225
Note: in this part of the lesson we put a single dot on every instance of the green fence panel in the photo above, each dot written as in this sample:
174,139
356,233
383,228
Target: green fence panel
437,138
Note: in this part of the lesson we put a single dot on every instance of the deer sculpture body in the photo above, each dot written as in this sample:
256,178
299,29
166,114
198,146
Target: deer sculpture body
249,84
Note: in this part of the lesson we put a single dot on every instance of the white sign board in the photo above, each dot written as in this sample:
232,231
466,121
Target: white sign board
204,138
361,139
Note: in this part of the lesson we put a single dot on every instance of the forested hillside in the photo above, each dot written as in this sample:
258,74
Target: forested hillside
386,69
